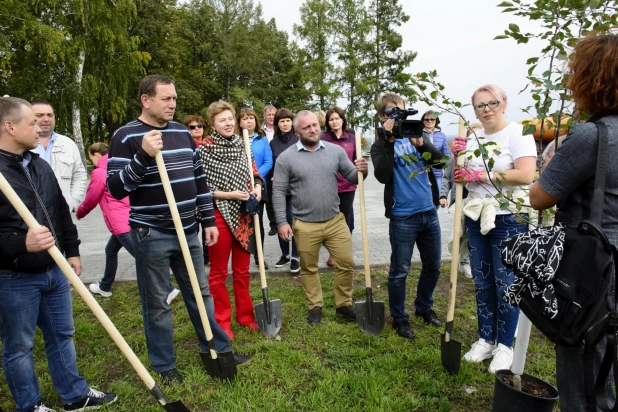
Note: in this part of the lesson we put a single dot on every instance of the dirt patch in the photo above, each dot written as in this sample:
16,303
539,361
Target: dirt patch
530,387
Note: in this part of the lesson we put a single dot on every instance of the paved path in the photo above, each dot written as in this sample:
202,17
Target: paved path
94,236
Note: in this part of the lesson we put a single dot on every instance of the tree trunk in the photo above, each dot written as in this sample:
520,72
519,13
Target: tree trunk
75,114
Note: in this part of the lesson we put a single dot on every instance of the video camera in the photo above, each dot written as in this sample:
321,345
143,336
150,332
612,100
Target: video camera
402,128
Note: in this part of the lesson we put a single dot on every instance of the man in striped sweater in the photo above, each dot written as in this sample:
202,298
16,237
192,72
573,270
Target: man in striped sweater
132,171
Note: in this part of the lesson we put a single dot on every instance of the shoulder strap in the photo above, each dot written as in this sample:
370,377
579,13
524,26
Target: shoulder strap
599,181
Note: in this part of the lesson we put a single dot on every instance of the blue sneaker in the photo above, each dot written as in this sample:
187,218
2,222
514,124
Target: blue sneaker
94,400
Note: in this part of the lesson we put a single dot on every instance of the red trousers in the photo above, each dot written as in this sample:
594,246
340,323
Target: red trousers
241,259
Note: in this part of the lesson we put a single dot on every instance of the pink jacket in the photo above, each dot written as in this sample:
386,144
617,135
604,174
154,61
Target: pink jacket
115,212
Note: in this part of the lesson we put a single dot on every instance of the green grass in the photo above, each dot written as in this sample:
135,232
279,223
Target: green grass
330,367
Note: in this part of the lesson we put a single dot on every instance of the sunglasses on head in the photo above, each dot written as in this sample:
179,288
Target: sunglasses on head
245,109
196,126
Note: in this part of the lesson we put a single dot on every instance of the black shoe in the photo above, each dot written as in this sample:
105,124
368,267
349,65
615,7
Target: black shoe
315,315
282,262
403,329
241,360
295,266
172,376
272,232
430,318
257,263
346,312
94,400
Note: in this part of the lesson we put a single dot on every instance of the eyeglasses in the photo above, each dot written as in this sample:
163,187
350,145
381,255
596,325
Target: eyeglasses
491,104
429,120
196,126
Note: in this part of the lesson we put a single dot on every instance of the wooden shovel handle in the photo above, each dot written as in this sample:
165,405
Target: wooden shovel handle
361,193
79,286
450,315
256,218
184,246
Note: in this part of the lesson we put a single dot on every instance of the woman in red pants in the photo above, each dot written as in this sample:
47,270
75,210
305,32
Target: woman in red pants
227,174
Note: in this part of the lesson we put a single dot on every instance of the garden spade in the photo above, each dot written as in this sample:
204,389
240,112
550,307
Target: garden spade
451,349
218,365
268,312
93,305
370,313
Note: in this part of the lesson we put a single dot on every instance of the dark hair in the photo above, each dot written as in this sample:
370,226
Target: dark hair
192,118
40,101
594,74
242,113
11,109
282,113
99,147
148,85
437,126
341,114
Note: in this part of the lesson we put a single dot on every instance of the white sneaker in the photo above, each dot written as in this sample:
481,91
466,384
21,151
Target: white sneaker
503,358
94,288
479,351
42,408
466,270
172,296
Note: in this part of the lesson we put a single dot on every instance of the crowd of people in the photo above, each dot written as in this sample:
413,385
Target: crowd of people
305,169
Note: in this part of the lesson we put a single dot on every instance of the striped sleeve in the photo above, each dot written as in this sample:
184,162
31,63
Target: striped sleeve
204,204
125,168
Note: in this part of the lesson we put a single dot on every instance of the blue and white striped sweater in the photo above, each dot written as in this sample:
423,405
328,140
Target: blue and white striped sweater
131,172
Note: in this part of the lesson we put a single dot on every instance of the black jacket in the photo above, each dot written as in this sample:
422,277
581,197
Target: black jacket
383,159
13,230
280,144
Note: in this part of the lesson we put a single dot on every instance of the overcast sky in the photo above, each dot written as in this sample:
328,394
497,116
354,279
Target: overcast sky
453,37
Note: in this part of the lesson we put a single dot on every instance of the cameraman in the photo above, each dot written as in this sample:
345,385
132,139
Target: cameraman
410,205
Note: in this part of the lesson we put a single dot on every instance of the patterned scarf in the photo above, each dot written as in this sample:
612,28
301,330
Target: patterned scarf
225,166
535,257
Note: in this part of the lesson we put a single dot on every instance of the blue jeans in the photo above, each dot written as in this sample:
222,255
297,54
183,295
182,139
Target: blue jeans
155,253
285,246
424,230
114,245
44,300
496,318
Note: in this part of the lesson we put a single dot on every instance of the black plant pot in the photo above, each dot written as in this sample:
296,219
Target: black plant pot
507,398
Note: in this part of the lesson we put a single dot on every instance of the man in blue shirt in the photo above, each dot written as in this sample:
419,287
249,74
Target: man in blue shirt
410,200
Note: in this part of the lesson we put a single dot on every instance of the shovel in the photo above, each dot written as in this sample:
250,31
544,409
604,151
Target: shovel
370,313
451,349
176,406
218,365
268,312
520,350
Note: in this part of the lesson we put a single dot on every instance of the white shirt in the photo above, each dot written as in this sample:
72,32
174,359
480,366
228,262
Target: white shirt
511,145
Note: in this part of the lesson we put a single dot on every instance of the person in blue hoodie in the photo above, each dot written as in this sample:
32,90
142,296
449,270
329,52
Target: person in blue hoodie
433,133
247,119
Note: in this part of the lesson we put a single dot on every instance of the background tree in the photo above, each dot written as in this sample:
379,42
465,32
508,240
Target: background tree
315,31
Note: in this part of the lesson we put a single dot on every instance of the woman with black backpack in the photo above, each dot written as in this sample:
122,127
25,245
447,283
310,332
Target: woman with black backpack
568,180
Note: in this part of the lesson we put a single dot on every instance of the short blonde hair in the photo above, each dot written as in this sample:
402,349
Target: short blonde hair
321,115
387,98
216,108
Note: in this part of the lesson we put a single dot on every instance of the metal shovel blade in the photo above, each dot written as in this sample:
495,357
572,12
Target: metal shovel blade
451,354
176,406
268,316
370,315
224,367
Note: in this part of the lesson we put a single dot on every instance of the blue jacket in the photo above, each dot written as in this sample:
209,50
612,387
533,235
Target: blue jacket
441,143
262,154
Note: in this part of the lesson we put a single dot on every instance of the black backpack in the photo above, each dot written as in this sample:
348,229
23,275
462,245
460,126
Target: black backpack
581,284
